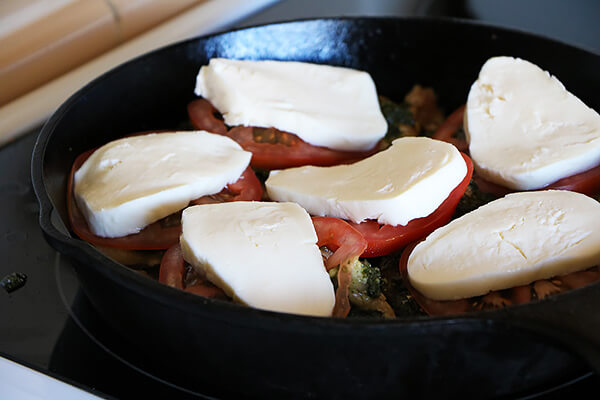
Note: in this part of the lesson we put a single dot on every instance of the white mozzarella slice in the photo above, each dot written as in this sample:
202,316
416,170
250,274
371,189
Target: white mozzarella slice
325,106
512,241
408,180
130,183
525,130
262,254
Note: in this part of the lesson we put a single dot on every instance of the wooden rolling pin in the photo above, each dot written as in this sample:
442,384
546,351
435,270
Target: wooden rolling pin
32,109
67,36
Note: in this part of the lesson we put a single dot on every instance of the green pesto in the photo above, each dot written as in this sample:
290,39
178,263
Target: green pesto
394,288
472,199
366,279
397,116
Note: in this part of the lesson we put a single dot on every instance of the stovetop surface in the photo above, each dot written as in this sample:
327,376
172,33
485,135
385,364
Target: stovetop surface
49,324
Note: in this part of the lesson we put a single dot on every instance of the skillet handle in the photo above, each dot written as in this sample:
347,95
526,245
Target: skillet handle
571,318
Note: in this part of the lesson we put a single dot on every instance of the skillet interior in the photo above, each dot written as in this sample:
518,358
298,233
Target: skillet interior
231,350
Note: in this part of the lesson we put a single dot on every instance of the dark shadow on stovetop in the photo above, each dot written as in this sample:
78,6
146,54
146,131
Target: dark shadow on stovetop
87,349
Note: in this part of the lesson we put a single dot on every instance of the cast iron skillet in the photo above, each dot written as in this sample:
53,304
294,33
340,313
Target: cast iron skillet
226,349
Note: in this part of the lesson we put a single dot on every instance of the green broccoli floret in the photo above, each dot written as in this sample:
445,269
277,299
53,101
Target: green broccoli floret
396,113
365,293
366,279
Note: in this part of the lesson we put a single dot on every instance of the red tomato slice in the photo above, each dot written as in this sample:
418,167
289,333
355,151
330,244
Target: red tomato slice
339,237
346,243
271,148
342,306
499,298
385,239
172,273
246,188
447,130
587,182
205,116
161,234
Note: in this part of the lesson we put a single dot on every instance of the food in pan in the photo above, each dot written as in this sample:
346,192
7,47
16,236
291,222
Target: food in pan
125,189
525,131
513,241
279,263
369,213
358,283
290,113
416,179
276,264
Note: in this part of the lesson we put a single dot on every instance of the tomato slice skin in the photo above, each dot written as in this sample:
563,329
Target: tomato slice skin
340,237
342,306
158,235
586,182
347,244
274,149
447,130
385,239
246,188
203,116
172,273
